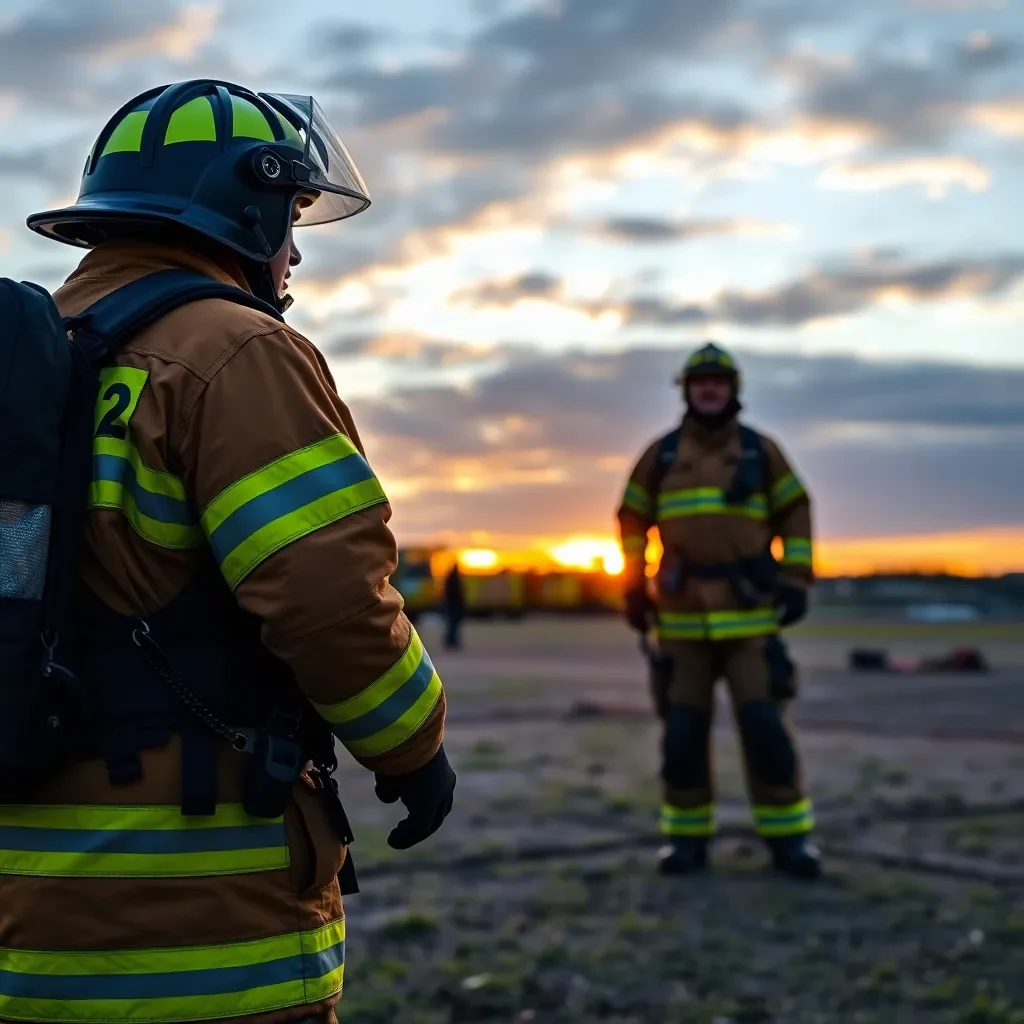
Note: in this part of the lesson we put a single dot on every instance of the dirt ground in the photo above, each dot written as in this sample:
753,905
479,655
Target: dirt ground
538,901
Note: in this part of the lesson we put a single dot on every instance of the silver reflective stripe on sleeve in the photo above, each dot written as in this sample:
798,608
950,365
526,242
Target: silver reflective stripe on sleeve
24,539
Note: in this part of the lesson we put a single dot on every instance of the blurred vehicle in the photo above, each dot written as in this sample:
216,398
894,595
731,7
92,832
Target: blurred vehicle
417,580
502,593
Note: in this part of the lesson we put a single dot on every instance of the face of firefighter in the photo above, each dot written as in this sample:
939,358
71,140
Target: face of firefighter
286,257
710,395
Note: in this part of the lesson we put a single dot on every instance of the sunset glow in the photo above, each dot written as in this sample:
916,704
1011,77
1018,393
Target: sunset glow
589,553
478,559
992,551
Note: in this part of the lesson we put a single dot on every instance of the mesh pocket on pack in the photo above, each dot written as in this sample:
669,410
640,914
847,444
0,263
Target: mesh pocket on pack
24,539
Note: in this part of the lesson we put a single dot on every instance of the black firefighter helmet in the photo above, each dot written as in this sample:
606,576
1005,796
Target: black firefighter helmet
214,158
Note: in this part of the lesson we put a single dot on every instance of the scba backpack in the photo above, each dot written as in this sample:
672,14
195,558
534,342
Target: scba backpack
49,380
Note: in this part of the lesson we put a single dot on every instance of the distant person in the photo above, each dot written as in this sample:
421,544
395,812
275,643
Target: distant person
454,608
719,494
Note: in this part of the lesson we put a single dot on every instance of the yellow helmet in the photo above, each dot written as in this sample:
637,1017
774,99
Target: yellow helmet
709,361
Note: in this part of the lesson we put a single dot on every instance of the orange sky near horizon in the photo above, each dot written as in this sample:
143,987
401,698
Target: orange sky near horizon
988,551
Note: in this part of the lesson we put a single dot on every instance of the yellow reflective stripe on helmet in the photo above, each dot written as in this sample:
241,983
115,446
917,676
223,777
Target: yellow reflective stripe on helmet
127,136
137,842
636,499
160,986
790,820
785,491
703,501
192,122
249,122
796,551
690,821
285,500
291,132
726,625
710,354
390,709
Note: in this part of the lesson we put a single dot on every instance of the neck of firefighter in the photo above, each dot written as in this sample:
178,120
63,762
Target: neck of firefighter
711,402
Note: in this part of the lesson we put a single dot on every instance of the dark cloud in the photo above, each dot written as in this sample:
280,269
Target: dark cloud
45,55
904,102
58,165
535,285
887,447
982,53
413,350
349,39
656,229
573,75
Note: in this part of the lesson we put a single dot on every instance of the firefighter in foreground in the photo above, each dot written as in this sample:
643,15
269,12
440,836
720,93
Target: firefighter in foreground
719,494
238,548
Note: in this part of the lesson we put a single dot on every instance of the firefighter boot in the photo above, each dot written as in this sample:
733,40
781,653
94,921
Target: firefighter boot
795,856
684,855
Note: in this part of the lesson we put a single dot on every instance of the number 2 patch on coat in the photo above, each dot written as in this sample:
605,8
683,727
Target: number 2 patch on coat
120,389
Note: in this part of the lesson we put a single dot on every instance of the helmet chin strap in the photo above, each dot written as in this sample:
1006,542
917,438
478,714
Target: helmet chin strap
260,281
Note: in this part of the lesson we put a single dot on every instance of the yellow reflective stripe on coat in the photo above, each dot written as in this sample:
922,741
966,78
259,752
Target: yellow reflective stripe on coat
161,986
790,820
704,501
728,625
287,499
106,841
690,821
390,709
153,501
796,551
636,499
785,491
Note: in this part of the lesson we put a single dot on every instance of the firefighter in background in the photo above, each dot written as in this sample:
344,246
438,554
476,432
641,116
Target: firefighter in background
719,494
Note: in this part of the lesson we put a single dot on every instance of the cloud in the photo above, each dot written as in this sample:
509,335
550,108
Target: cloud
900,103
50,56
843,288
544,446
415,349
535,285
1003,116
936,174
350,39
656,229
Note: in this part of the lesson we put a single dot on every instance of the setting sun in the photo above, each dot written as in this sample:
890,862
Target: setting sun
478,558
589,553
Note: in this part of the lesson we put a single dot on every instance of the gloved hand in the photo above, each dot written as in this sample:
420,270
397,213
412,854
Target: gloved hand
639,608
791,603
427,792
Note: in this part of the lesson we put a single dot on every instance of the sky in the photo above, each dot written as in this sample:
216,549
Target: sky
571,195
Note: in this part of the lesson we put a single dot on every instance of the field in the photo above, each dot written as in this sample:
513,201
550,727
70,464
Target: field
538,901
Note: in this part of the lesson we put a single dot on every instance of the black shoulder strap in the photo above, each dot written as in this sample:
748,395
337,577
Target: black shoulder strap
752,472
667,448
102,328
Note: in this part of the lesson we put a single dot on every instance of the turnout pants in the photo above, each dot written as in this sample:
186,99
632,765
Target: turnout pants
773,773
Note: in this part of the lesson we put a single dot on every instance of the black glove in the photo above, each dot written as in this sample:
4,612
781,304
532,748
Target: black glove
791,603
427,792
639,608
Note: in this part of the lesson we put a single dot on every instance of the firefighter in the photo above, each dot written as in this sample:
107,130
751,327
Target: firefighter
236,610
719,494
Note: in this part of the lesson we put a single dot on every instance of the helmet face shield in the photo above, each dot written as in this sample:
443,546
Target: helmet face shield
326,164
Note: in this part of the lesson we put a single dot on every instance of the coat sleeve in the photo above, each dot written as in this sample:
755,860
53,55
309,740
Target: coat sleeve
789,515
637,514
298,524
